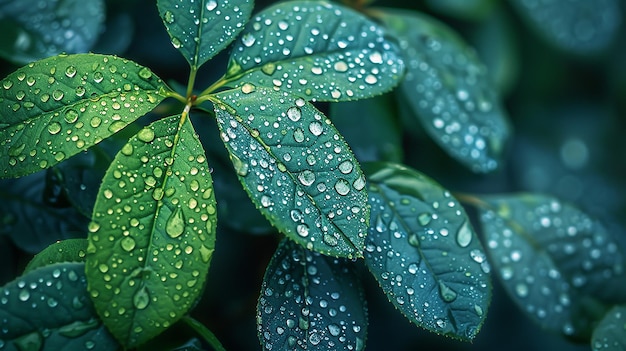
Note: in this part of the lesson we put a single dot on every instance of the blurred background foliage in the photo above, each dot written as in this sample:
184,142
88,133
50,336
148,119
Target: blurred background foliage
558,66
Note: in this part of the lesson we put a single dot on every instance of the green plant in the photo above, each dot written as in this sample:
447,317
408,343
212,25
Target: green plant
152,223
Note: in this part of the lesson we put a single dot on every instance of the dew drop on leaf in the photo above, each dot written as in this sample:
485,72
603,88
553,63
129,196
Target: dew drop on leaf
175,225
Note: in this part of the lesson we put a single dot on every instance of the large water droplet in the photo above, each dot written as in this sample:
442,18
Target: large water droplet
54,128
307,177
211,5
175,225
342,187
447,294
141,299
146,135
464,235
294,114
128,243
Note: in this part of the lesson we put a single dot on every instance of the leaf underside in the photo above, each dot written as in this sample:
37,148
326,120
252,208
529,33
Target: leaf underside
317,50
296,168
54,108
310,302
424,253
152,233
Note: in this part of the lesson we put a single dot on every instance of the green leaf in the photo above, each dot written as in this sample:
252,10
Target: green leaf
464,9
378,137
201,29
153,232
577,26
54,108
610,334
49,309
70,250
310,302
296,168
448,89
423,252
206,334
553,260
30,219
288,46
33,30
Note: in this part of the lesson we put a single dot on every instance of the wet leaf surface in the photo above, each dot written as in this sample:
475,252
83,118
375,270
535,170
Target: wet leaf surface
423,252
296,168
310,302
69,250
449,90
52,109
317,50
609,335
49,309
152,233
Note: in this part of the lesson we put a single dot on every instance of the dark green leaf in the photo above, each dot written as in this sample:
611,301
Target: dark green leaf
28,218
153,232
424,253
49,309
33,30
378,137
464,9
200,29
296,168
54,108
610,334
70,250
448,89
578,26
192,345
317,50
206,334
553,260
310,302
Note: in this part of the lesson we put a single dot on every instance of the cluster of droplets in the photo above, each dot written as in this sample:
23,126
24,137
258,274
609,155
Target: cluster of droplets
319,50
49,27
160,185
297,167
547,254
60,106
310,301
449,91
425,257
57,290
200,29
581,26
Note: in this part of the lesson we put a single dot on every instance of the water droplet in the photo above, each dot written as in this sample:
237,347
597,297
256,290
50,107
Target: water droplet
240,167
146,135
447,294
424,219
248,39
316,128
127,149
71,116
294,114
141,299
464,235
211,5
145,73
307,177
371,79
303,230
346,167
268,68
54,128
342,187
70,71
248,88
376,57
334,329
169,17
128,243
298,135
24,295
340,66
521,290
175,225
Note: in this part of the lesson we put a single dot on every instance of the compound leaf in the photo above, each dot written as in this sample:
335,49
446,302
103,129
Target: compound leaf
423,252
70,250
201,29
578,26
296,168
54,108
152,232
310,302
33,30
49,309
609,334
553,260
448,89
288,46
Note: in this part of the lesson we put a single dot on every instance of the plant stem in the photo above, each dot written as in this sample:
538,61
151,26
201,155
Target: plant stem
192,81
203,331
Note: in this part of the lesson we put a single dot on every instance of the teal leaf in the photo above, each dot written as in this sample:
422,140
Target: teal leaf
317,50
152,233
33,30
449,91
296,168
464,9
54,108
200,29
423,252
310,302
30,220
577,26
49,309
610,334
378,137
70,250
554,260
